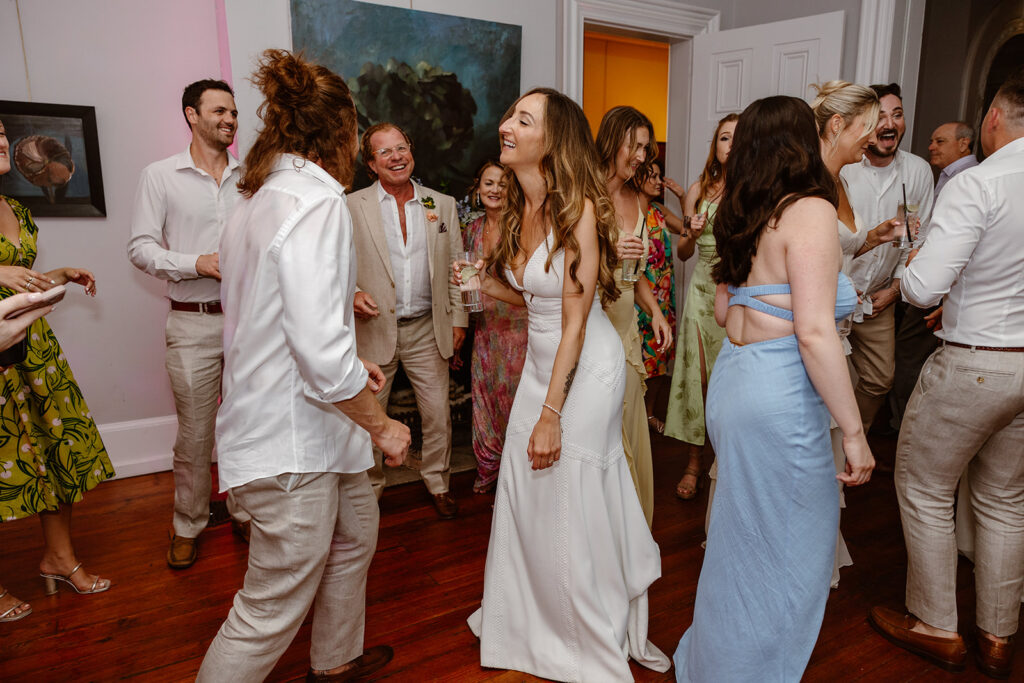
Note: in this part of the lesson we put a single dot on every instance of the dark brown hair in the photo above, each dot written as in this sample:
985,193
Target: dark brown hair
775,161
308,111
714,170
193,94
618,125
367,149
474,189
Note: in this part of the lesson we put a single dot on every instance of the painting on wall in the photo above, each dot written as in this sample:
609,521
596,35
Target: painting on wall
445,80
55,159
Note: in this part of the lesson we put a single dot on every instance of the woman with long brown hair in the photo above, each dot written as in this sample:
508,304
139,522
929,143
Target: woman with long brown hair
626,149
570,556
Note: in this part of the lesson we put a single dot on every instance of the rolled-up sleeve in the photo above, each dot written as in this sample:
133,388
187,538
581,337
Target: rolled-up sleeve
146,246
956,227
316,276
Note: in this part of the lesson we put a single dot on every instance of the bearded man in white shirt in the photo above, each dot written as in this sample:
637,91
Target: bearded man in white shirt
875,188
968,406
181,206
407,311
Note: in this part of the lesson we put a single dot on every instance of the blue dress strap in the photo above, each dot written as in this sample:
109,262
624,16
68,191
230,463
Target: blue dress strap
744,296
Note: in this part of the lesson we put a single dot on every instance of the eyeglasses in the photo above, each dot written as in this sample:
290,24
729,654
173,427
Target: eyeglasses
386,151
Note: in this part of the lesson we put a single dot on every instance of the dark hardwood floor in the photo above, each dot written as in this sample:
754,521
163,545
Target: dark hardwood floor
155,624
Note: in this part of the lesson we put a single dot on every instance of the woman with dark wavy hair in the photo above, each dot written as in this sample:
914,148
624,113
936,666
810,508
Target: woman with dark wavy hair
781,371
570,556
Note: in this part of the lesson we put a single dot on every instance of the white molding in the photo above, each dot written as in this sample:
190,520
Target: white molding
910,64
664,18
874,43
139,447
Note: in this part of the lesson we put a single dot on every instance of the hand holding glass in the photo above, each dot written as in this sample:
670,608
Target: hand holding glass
910,222
469,282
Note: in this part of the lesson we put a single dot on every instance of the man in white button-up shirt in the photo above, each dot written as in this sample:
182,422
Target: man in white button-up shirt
407,311
181,206
875,188
968,406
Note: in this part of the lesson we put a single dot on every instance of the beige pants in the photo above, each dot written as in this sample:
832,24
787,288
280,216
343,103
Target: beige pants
195,357
427,371
313,536
967,410
873,358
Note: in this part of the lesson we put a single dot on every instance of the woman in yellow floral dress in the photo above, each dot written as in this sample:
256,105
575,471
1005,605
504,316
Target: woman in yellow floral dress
50,449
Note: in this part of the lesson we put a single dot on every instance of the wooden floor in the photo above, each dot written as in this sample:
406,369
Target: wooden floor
155,623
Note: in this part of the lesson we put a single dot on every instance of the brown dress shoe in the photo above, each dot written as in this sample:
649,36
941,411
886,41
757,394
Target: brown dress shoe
994,658
183,552
365,664
949,653
445,505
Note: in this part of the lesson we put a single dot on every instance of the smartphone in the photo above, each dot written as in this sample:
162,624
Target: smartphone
50,297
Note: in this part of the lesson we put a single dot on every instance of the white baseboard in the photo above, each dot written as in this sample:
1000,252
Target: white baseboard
139,447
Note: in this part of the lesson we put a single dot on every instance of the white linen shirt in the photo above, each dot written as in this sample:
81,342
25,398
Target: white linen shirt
288,264
410,261
874,194
975,254
180,211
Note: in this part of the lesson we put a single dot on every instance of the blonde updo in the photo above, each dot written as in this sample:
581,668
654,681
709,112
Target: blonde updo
848,101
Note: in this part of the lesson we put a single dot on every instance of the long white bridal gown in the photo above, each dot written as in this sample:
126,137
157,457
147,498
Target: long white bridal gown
570,556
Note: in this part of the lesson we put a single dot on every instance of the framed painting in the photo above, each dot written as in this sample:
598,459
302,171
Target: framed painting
55,159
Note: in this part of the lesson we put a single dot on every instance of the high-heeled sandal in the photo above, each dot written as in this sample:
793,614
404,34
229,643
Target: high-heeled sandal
689,493
98,586
7,616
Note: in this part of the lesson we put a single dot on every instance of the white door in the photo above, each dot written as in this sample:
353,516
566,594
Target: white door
733,68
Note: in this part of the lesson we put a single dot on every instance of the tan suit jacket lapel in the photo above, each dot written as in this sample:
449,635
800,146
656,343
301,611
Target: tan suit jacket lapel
371,213
430,227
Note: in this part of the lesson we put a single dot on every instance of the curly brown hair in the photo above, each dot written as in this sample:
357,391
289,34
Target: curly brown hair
308,111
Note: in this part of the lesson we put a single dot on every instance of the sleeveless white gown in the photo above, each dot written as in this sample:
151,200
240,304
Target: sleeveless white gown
570,556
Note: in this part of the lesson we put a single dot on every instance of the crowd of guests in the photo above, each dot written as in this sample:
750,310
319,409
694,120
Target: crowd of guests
830,275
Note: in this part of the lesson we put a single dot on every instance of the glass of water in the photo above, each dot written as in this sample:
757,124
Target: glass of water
470,287
905,234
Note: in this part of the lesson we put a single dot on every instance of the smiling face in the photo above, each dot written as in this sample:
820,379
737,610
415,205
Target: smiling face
492,188
945,148
216,120
653,185
854,140
723,143
5,150
632,153
522,133
392,157
890,128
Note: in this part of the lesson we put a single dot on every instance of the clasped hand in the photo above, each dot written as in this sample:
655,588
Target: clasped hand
545,445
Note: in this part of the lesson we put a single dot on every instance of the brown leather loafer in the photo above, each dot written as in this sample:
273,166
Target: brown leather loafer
182,553
949,653
365,664
445,505
994,658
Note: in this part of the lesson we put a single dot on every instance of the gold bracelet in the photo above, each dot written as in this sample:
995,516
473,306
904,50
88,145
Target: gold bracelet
554,410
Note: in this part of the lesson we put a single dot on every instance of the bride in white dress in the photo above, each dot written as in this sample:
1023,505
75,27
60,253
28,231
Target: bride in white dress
570,556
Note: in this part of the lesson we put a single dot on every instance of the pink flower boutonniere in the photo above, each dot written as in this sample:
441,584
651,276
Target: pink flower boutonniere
431,217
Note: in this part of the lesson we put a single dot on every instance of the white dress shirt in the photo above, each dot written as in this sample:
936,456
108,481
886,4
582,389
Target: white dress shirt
961,164
874,193
289,275
180,211
410,261
975,254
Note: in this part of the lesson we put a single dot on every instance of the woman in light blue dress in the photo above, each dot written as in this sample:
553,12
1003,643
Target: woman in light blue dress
771,543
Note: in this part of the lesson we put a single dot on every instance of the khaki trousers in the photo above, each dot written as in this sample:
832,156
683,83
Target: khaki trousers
967,410
873,343
313,536
427,371
195,358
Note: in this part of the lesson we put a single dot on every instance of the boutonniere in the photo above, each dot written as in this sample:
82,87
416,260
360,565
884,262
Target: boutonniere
428,203
443,228
431,217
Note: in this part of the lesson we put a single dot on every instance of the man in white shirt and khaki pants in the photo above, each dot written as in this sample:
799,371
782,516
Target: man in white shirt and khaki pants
968,405
181,207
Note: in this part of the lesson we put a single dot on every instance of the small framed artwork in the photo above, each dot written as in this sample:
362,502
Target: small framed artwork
55,159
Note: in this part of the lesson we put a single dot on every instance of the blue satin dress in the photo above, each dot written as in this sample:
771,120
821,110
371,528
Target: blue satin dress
771,544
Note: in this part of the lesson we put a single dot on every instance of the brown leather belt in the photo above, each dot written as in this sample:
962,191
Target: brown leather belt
1009,349
412,319
211,307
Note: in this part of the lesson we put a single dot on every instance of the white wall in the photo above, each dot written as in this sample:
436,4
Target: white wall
130,60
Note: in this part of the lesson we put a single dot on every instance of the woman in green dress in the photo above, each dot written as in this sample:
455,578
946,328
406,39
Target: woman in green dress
50,449
700,337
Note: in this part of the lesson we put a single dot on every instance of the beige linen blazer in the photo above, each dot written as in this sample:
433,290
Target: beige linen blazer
377,337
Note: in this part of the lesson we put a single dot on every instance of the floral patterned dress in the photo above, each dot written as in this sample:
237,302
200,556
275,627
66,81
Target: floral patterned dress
661,275
50,449
499,350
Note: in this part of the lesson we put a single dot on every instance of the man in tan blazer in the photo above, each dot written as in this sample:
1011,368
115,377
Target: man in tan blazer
407,311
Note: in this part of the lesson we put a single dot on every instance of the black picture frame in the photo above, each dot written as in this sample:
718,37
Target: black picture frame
47,143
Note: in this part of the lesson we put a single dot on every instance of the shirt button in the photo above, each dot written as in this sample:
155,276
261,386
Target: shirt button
391,310
981,380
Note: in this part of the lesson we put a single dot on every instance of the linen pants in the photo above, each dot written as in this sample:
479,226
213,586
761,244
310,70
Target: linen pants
873,342
195,358
427,371
966,410
313,537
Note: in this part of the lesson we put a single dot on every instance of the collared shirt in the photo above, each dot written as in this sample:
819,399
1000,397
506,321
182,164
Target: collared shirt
288,263
975,254
875,193
180,211
961,164
410,260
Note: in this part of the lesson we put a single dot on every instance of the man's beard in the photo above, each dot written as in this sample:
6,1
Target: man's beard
874,149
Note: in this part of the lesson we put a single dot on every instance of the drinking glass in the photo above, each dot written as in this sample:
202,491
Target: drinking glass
470,287
911,222
630,269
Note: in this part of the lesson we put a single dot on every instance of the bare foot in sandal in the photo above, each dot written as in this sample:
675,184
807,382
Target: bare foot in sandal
688,486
